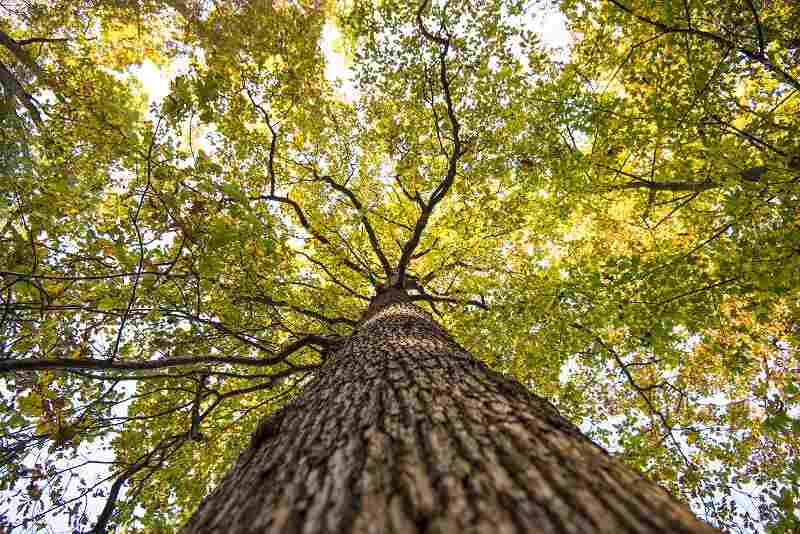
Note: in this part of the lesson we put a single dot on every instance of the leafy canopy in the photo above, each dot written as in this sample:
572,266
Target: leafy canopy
615,224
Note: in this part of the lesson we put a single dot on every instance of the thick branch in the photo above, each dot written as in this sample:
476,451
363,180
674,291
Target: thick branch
272,144
162,450
101,525
194,428
13,87
637,182
21,54
300,215
7,366
428,35
35,40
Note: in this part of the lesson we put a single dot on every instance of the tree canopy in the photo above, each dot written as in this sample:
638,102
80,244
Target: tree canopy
613,223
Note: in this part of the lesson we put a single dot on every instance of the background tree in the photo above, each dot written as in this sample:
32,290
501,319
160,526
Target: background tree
618,231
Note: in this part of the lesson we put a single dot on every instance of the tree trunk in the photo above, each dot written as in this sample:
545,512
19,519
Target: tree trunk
404,431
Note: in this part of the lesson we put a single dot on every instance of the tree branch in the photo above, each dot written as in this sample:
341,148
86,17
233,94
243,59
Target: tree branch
426,297
637,182
13,87
442,189
759,29
135,222
101,526
194,428
666,186
641,391
273,141
757,141
759,56
304,222
333,278
34,40
373,238
35,364
269,301
21,54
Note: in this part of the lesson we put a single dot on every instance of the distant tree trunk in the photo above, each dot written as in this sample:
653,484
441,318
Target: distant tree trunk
403,431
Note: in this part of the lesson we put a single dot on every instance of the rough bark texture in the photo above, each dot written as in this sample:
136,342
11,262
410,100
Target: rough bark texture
405,432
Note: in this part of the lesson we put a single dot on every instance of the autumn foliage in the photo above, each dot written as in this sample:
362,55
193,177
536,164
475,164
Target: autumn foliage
613,222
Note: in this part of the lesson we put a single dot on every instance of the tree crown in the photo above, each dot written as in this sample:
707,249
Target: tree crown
614,225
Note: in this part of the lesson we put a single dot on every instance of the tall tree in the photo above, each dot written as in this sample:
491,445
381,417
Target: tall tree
613,226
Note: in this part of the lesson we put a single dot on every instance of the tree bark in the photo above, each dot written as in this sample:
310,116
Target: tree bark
403,431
